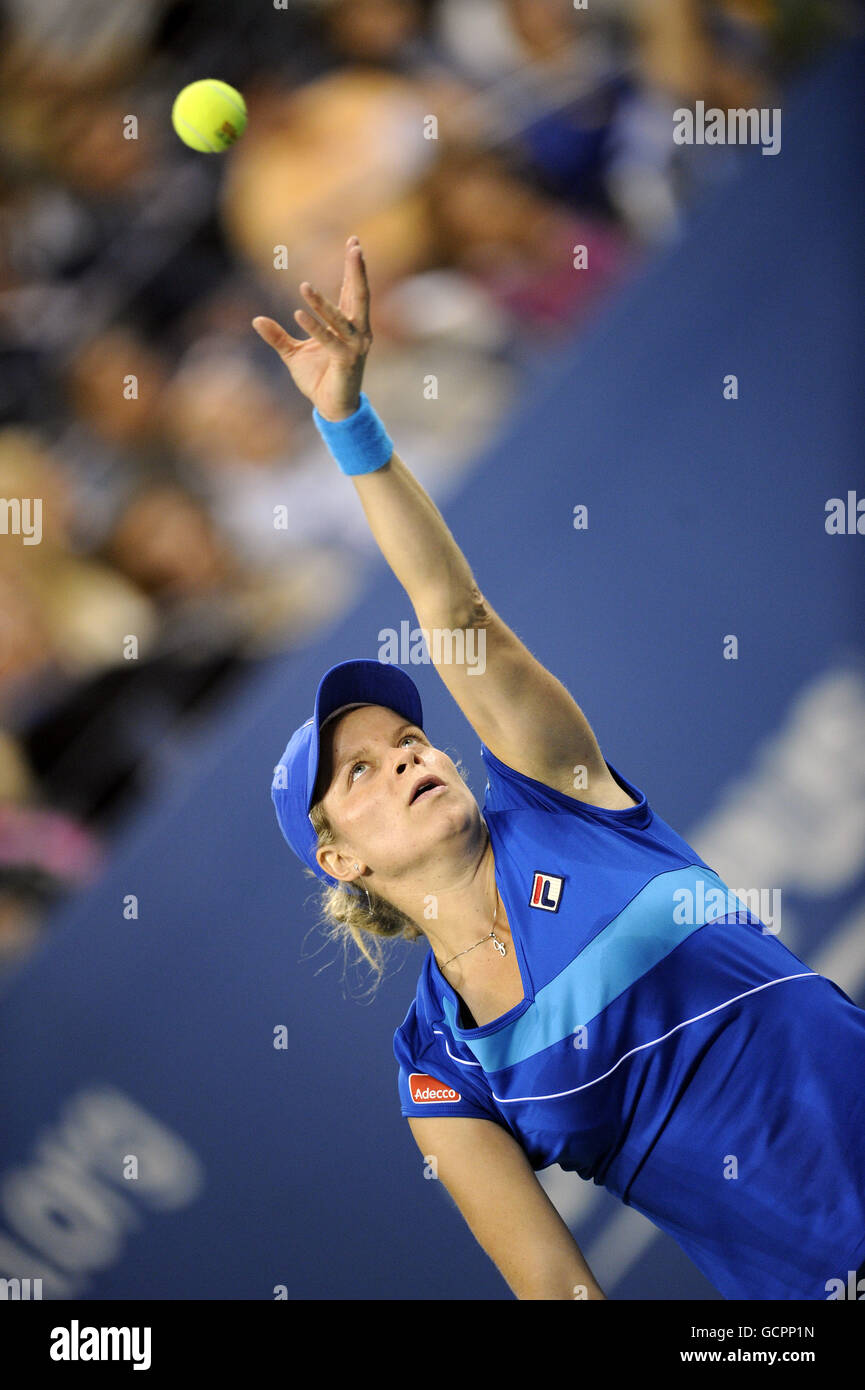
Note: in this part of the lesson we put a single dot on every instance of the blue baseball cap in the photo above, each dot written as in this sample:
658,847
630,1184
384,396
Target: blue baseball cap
349,684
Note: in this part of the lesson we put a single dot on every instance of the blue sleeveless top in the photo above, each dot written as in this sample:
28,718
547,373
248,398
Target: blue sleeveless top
668,1046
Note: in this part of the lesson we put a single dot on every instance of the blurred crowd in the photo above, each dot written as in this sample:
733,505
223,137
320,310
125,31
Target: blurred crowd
191,520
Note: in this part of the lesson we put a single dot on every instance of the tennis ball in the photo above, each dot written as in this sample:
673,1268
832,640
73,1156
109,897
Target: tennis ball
209,115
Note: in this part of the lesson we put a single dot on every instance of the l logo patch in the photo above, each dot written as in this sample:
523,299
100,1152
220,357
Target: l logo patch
546,891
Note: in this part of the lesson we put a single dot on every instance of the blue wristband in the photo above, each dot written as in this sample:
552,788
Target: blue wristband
360,443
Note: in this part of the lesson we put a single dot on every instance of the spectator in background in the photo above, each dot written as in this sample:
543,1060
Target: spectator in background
353,140
88,710
82,607
213,607
166,544
550,81
349,144
112,387
60,46
722,52
387,33
244,453
54,613
520,245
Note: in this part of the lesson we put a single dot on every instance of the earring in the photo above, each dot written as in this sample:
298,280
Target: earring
368,898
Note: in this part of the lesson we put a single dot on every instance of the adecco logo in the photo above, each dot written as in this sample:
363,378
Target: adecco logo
426,1088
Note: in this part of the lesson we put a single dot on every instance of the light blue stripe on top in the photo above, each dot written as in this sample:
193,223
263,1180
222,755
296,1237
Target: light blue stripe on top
640,936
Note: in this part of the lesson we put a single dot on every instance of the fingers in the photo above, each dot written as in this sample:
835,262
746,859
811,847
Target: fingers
275,335
334,317
354,295
346,295
360,290
317,330
343,327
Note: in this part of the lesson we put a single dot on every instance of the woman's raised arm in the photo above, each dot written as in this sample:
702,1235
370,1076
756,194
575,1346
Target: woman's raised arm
522,712
328,369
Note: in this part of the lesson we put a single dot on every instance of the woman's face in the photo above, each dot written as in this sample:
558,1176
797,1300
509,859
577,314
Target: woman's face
372,760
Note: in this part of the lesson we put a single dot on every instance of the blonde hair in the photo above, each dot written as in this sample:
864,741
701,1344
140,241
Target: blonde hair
359,917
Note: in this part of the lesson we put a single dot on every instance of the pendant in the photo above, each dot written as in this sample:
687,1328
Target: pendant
500,946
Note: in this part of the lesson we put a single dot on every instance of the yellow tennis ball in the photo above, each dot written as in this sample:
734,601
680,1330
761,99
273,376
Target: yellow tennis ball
209,115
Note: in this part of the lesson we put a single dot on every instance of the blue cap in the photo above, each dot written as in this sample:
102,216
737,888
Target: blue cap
351,682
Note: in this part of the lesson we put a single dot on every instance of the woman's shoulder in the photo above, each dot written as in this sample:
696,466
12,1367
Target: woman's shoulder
612,798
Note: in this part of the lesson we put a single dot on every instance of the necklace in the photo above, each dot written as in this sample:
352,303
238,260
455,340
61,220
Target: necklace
499,945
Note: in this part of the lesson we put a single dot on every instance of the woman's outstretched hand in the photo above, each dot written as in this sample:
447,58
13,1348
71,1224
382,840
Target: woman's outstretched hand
328,366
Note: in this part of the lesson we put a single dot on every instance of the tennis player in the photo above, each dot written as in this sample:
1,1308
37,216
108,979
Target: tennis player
593,994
